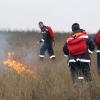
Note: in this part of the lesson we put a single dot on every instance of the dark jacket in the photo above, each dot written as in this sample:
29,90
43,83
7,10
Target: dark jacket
47,38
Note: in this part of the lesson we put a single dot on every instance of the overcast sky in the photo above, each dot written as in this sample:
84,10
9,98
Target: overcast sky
59,14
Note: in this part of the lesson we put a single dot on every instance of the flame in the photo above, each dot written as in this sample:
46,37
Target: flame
18,66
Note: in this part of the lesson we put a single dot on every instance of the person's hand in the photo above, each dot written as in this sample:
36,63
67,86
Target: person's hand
90,52
66,57
42,40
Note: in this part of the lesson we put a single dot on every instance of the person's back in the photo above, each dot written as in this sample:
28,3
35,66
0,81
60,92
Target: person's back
77,44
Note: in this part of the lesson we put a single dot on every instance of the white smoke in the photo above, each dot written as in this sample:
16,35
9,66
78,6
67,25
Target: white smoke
4,46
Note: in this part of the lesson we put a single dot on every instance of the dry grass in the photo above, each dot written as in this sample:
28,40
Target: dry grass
54,80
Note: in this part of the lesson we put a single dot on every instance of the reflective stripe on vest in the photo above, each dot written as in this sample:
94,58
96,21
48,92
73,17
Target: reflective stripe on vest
78,35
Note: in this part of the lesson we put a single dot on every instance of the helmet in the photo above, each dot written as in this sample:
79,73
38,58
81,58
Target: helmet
75,27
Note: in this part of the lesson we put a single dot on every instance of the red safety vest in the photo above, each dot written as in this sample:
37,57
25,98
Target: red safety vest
51,33
77,44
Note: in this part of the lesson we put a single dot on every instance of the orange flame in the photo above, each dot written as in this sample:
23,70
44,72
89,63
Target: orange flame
18,67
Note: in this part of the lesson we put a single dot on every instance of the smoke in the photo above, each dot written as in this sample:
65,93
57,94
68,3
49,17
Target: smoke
4,46
31,56
21,44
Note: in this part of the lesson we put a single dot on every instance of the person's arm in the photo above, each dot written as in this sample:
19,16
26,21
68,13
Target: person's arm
42,39
65,50
44,32
91,45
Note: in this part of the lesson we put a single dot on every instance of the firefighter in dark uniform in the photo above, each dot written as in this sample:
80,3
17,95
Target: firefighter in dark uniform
78,49
97,41
47,40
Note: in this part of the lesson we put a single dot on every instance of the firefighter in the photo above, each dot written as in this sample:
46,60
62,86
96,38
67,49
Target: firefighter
47,40
77,49
97,41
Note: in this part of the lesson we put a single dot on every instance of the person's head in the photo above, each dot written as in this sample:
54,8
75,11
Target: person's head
40,24
75,27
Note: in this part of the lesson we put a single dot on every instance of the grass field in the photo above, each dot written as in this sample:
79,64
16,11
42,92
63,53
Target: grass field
53,80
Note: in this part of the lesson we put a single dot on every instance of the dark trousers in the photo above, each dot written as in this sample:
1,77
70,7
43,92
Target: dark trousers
98,60
83,67
47,47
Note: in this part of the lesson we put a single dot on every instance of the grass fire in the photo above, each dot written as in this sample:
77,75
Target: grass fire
18,66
